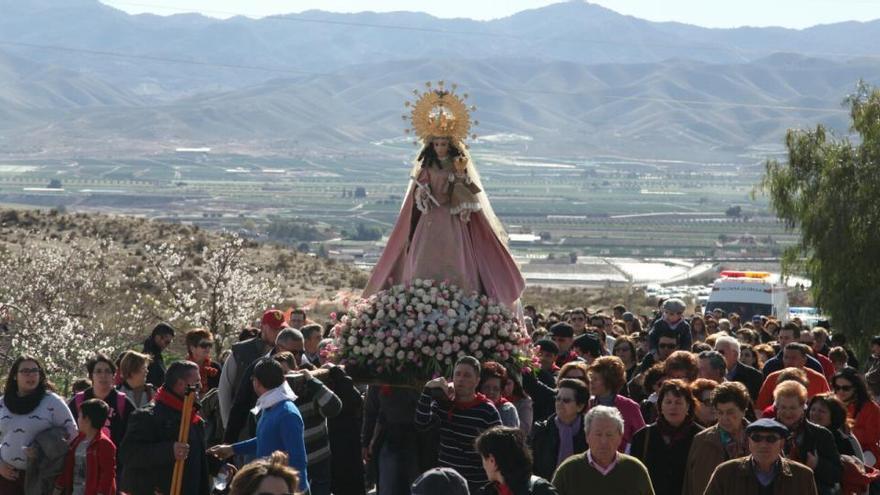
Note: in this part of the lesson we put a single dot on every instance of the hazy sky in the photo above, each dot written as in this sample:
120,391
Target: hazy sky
710,13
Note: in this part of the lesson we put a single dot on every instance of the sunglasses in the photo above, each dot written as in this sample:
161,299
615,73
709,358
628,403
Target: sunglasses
843,388
769,438
206,345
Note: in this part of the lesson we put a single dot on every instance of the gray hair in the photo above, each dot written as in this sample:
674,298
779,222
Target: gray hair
727,341
288,334
603,412
716,361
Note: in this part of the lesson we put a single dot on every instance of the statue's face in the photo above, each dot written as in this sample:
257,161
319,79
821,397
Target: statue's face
441,146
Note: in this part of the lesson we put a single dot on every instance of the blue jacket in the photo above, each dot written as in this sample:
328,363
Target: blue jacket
280,428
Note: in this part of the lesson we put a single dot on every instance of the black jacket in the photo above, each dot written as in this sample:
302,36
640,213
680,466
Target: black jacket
156,369
817,439
535,486
346,463
545,445
147,453
665,463
750,377
543,397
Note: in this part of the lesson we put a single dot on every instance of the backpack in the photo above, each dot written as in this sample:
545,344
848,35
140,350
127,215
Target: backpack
80,397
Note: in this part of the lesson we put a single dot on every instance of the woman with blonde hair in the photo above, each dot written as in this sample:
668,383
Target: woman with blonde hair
133,372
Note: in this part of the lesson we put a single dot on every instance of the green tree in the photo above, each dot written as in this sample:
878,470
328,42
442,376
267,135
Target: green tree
829,190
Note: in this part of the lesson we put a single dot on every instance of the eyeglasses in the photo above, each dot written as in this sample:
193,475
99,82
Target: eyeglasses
769,438
28,371
564,400
667,346
843,388
206,344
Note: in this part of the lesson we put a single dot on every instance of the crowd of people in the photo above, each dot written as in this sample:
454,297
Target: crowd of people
671,403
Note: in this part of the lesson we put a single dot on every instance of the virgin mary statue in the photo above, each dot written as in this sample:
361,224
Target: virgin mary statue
446,229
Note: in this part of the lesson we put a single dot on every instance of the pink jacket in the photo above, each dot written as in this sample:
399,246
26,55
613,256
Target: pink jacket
632,419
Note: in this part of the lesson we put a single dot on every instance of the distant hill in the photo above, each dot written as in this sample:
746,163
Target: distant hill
577,77
674,109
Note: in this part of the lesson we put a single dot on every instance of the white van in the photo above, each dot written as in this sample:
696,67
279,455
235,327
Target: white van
748,294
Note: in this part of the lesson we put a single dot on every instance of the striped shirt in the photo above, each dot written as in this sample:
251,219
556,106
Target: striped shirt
458,430
315,405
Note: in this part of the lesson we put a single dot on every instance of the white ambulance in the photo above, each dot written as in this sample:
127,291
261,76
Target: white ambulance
748,294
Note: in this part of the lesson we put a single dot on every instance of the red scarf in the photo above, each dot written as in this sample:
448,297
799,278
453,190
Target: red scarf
174,402
503,489
205,371
464,406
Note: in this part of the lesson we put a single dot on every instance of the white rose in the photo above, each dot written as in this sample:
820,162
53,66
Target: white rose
377,353
389,352
417,282
401,355
452,314
427,350
380,314
426,298
392,314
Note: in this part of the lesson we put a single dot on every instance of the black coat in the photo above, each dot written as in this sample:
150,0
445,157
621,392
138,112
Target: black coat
750,377
156,369
543,397
147,453
346,463
818,439
535,486
545,445
665,463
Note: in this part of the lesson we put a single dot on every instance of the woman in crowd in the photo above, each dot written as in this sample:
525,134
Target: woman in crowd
607,378
271,476
460,414
199,344
493,380
508,464
768,331
702,389
625,349
28,407
828,411
749,357
808,443
698,329
102,372
663,446
133,371
850,387
544,396
562,435
522,402
721,442
653,379
765,352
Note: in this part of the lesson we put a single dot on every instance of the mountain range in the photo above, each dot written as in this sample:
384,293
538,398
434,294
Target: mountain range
575,77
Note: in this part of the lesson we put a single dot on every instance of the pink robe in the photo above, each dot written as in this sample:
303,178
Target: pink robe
439,246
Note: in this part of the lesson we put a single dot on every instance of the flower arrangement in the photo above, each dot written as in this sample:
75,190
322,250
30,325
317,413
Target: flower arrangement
409,334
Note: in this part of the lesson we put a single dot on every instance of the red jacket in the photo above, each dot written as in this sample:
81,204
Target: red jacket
867,426
100,466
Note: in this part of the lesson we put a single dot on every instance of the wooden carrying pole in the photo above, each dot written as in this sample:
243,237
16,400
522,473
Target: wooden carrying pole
182,437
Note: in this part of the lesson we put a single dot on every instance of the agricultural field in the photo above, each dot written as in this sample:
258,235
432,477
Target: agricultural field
558,210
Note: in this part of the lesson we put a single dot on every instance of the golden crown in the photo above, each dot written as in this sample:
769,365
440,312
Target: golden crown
439,112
